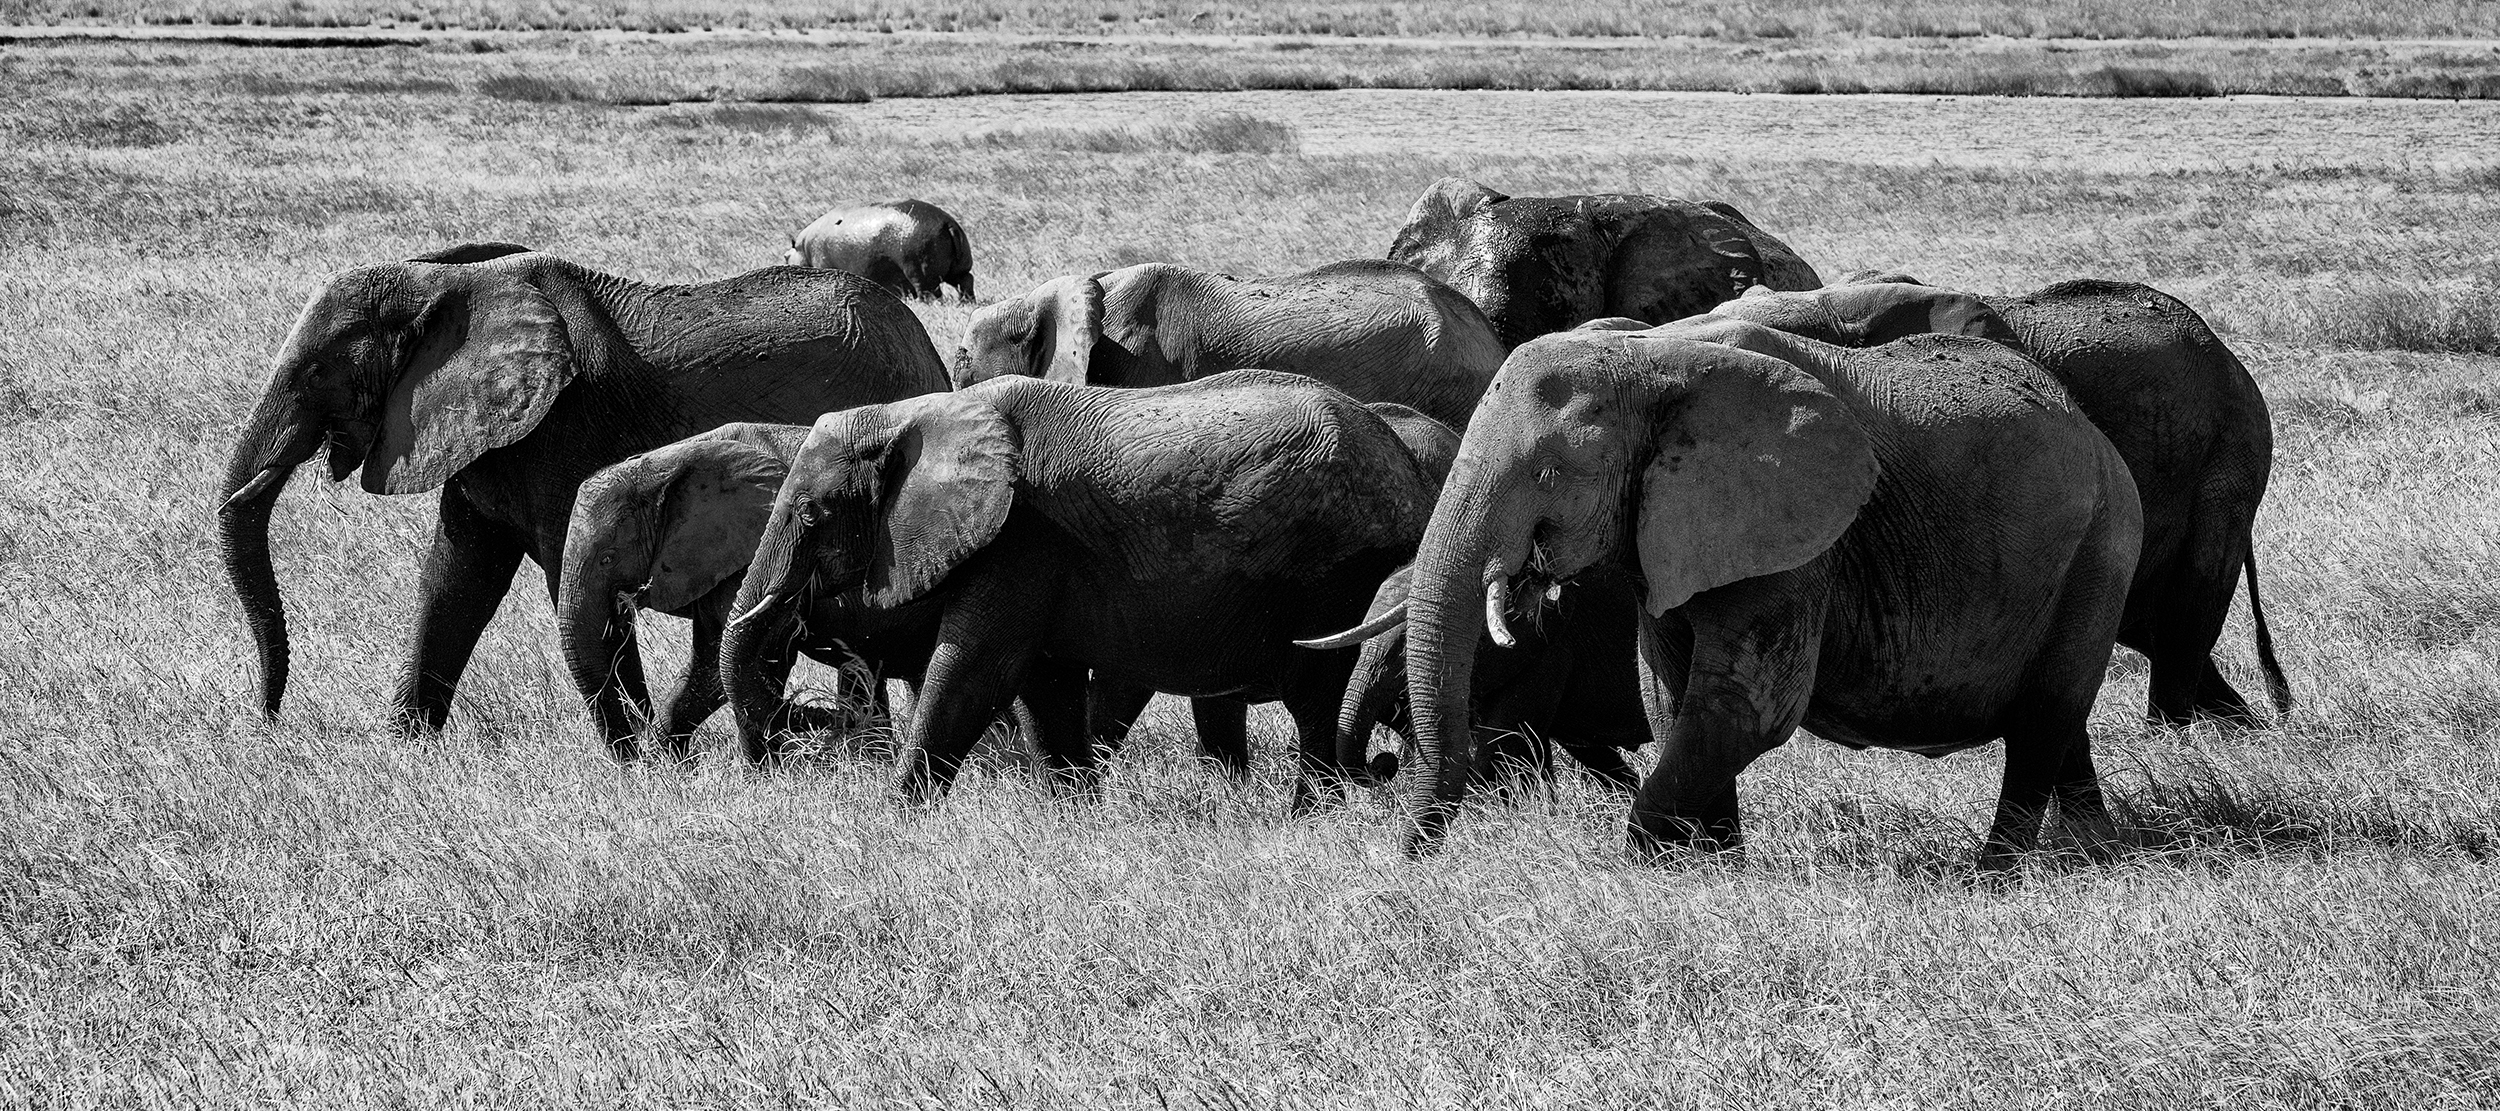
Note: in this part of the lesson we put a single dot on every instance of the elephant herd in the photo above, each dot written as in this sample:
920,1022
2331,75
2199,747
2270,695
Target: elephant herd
1577,472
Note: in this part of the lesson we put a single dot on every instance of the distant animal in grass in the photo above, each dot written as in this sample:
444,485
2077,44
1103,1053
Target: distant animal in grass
909,246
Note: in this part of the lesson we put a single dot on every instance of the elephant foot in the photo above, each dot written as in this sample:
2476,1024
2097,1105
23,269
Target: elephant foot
1669,839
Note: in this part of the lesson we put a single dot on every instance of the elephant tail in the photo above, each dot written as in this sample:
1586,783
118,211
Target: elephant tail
959,270
2277,688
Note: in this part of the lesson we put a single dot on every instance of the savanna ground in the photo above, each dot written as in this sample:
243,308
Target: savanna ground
198,907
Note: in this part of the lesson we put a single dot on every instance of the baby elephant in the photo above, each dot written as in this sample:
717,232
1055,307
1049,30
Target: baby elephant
910,246
672,529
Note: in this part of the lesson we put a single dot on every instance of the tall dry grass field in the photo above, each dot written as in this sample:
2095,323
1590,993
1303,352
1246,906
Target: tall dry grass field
199,908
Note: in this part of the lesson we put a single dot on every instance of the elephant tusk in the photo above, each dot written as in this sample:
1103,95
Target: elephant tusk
252,490
1388,619
1496,600
758,611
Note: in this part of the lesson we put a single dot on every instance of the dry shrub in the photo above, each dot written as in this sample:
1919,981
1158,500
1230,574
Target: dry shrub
539,88
2146,81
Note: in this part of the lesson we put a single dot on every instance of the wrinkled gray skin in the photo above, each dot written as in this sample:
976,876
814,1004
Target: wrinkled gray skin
505,378
1569,682
2178,406
1222,723
1544,264
1177,538
673,529
1921,546
1377,330
910,247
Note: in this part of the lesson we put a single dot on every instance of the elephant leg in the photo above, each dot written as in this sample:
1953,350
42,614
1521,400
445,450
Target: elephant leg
1606,764
2194,601
987,642
699,693
1753,657
466,572
1223,726
1054,696
1312,696
1111,710
2048,756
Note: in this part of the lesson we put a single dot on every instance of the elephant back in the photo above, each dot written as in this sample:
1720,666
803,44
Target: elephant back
1253,474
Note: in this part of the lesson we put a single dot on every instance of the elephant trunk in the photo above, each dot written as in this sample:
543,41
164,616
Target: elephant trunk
1470,551
754,651
277,440
595,609
1376,688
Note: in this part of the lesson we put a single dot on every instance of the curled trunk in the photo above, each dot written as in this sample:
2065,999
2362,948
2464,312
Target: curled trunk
276,440
1371,696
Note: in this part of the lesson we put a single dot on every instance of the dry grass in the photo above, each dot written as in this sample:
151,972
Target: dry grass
200,909
843,67
1731,19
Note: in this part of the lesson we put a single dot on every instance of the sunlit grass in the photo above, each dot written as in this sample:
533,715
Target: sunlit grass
197,907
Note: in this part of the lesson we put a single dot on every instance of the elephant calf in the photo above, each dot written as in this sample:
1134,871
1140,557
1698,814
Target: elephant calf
911,247
1380,331
1178,538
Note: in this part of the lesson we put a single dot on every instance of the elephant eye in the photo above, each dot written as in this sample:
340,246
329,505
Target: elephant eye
607,557
1546,475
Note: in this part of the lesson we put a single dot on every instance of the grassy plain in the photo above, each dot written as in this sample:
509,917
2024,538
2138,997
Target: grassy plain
199,908
1735,19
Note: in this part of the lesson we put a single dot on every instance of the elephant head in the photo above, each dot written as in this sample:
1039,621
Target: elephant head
1870,314
881,504
662,529
407,371
1543,264
1049,332
1677,454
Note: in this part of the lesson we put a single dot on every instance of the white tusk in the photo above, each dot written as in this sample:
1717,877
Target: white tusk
1389,619
251,490
758,611
1496,600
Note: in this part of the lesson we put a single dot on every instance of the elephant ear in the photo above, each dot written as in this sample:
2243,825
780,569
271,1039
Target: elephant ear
1450,200
487,358
471,252
1673,259
1065,333
949,476
712,515
1881,312
1759,469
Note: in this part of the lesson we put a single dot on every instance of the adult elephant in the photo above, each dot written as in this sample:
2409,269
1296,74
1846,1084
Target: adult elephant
1920,546
1543,264
1568,681
505,377
673,530
1178,538
1378,330
911,247
2182,411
